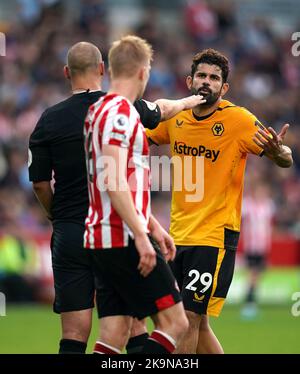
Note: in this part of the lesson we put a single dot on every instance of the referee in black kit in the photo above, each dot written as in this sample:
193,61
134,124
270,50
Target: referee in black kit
56,149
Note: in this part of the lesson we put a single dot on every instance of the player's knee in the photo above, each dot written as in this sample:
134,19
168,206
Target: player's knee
173,321
194,320
180,322
121,330
115,334
183,324
76,333
75,327
204,323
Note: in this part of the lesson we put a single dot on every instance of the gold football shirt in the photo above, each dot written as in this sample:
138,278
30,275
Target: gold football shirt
209,158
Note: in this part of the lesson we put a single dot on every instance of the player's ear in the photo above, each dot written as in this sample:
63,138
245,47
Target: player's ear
101,68
142,73
189,82
67,72
225,88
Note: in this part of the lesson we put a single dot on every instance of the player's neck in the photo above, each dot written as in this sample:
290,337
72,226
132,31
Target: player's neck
124,88
203,110
85,84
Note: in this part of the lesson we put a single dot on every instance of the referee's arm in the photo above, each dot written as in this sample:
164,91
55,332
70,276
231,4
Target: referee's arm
44,194
40,165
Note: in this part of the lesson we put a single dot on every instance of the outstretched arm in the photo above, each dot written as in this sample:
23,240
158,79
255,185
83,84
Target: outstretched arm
169,108
273,146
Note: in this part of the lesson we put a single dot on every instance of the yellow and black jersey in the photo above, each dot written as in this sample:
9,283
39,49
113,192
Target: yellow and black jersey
207,190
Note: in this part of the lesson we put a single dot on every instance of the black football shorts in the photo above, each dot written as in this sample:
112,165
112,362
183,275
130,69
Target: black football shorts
122,290
72,268
204,275
256,261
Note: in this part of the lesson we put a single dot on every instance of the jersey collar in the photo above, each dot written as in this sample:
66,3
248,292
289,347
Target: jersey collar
201,118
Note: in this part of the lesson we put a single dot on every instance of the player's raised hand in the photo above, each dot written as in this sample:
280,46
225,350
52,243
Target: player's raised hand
147,254
282,133
192,101
270,141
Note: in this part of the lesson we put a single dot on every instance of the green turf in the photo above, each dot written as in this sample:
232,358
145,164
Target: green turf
274,330
29,329
276,286
36,329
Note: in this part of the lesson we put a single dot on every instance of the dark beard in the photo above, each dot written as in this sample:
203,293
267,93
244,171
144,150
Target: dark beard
210,97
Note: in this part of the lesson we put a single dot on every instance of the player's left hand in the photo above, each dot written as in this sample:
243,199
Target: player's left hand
165,242
270,141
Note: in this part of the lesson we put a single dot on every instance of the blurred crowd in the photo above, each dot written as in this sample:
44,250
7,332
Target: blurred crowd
265,78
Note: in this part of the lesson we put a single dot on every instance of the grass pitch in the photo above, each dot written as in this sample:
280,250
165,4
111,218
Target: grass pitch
36,329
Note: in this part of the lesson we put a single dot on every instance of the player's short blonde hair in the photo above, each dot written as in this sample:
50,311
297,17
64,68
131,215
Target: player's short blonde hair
127,55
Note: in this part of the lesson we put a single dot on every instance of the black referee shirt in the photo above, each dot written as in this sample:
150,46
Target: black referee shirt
56,150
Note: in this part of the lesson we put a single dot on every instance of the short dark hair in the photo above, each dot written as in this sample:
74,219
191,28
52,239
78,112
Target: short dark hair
211,57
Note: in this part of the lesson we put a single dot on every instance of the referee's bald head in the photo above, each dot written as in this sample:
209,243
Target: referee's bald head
83,57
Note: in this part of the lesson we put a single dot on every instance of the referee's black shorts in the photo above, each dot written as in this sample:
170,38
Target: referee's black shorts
122,290
72,268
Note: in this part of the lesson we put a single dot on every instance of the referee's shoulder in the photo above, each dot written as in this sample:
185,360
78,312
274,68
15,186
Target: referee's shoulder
56,108
54,113
51,115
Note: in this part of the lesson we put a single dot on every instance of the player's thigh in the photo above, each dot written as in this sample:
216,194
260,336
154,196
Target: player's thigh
72,268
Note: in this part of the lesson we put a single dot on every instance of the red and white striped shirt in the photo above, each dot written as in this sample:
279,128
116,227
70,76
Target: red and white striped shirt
257,225
114,120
